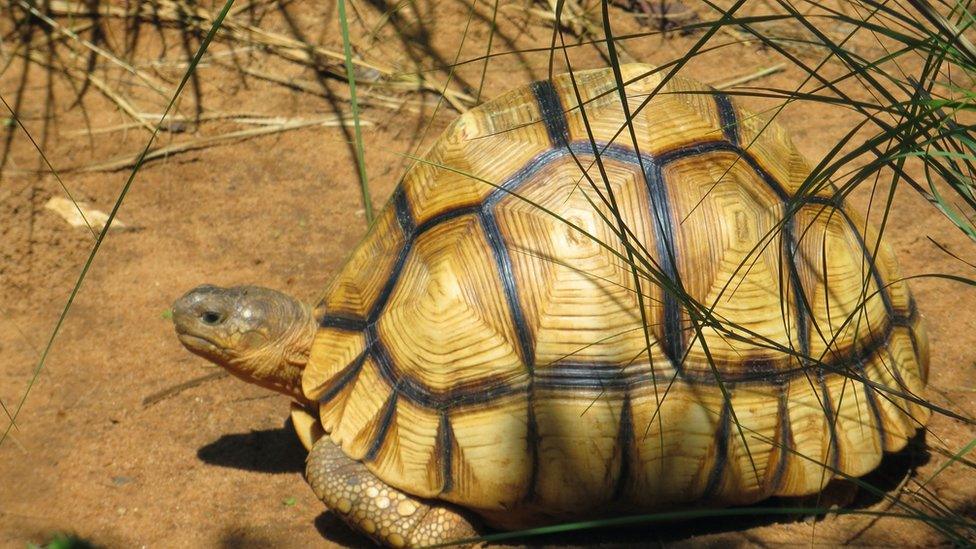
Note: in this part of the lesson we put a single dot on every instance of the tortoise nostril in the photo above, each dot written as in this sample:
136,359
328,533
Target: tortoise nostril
211,317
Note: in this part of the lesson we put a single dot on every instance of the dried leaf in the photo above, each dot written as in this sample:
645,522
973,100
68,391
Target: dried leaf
76,214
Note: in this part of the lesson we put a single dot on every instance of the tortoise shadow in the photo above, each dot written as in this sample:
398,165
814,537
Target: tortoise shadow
272,451
334,530
893,471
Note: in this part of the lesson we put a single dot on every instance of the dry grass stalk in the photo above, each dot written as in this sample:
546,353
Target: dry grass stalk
746,78
577,19
291,49
208,60
366,97
116,98
178,124
121,102
130,160
153,84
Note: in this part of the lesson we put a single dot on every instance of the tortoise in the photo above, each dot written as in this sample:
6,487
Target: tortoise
579,305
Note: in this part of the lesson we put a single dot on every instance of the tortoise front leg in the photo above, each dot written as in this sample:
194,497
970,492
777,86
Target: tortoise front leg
384,513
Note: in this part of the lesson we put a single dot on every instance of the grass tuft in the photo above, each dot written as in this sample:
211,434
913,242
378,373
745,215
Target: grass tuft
902,75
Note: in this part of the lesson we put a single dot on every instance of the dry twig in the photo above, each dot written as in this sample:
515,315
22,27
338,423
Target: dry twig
129,160
761,73
577,19
155,85
366,97
286,47
112,95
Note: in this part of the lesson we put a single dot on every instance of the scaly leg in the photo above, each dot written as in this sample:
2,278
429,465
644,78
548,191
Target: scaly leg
384,513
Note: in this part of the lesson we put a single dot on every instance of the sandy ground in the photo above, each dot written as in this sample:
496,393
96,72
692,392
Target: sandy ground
215,464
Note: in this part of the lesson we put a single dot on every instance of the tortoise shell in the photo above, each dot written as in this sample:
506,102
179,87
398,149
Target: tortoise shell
557,312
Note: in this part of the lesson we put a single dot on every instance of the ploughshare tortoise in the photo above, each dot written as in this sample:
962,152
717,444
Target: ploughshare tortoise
559,316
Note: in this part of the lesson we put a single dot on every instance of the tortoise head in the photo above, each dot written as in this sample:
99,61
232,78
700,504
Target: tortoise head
257,334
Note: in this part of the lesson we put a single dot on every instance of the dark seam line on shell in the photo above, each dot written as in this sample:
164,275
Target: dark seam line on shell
408,229
403,214
511,185
873,404
872,266
833,441
786,445
551,109
802,314
503,266
786,235
727,118
721,451
419,394
724,146
923,369
862,353
588,376
554,118
819,200
625,443
386,419
760,368
673,336
616,152
445,446
914,320
584,377
345,376
896,372
384,296
444,217
879,340
345,323
906,320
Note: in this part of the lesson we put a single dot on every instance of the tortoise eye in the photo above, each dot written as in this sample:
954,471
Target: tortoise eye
210,317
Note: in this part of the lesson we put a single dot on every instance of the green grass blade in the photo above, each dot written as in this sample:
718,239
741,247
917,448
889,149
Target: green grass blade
351,78
50,167
956,458
112,214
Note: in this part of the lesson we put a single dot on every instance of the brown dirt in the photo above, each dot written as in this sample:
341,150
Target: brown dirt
215,464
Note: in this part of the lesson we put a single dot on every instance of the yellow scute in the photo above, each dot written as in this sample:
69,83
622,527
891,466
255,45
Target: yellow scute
447,323
332,350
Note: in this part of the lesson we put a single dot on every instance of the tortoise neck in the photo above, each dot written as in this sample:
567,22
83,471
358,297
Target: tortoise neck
280,364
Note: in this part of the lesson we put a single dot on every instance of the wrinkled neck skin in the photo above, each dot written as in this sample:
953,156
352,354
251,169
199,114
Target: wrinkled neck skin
279,365
257,334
